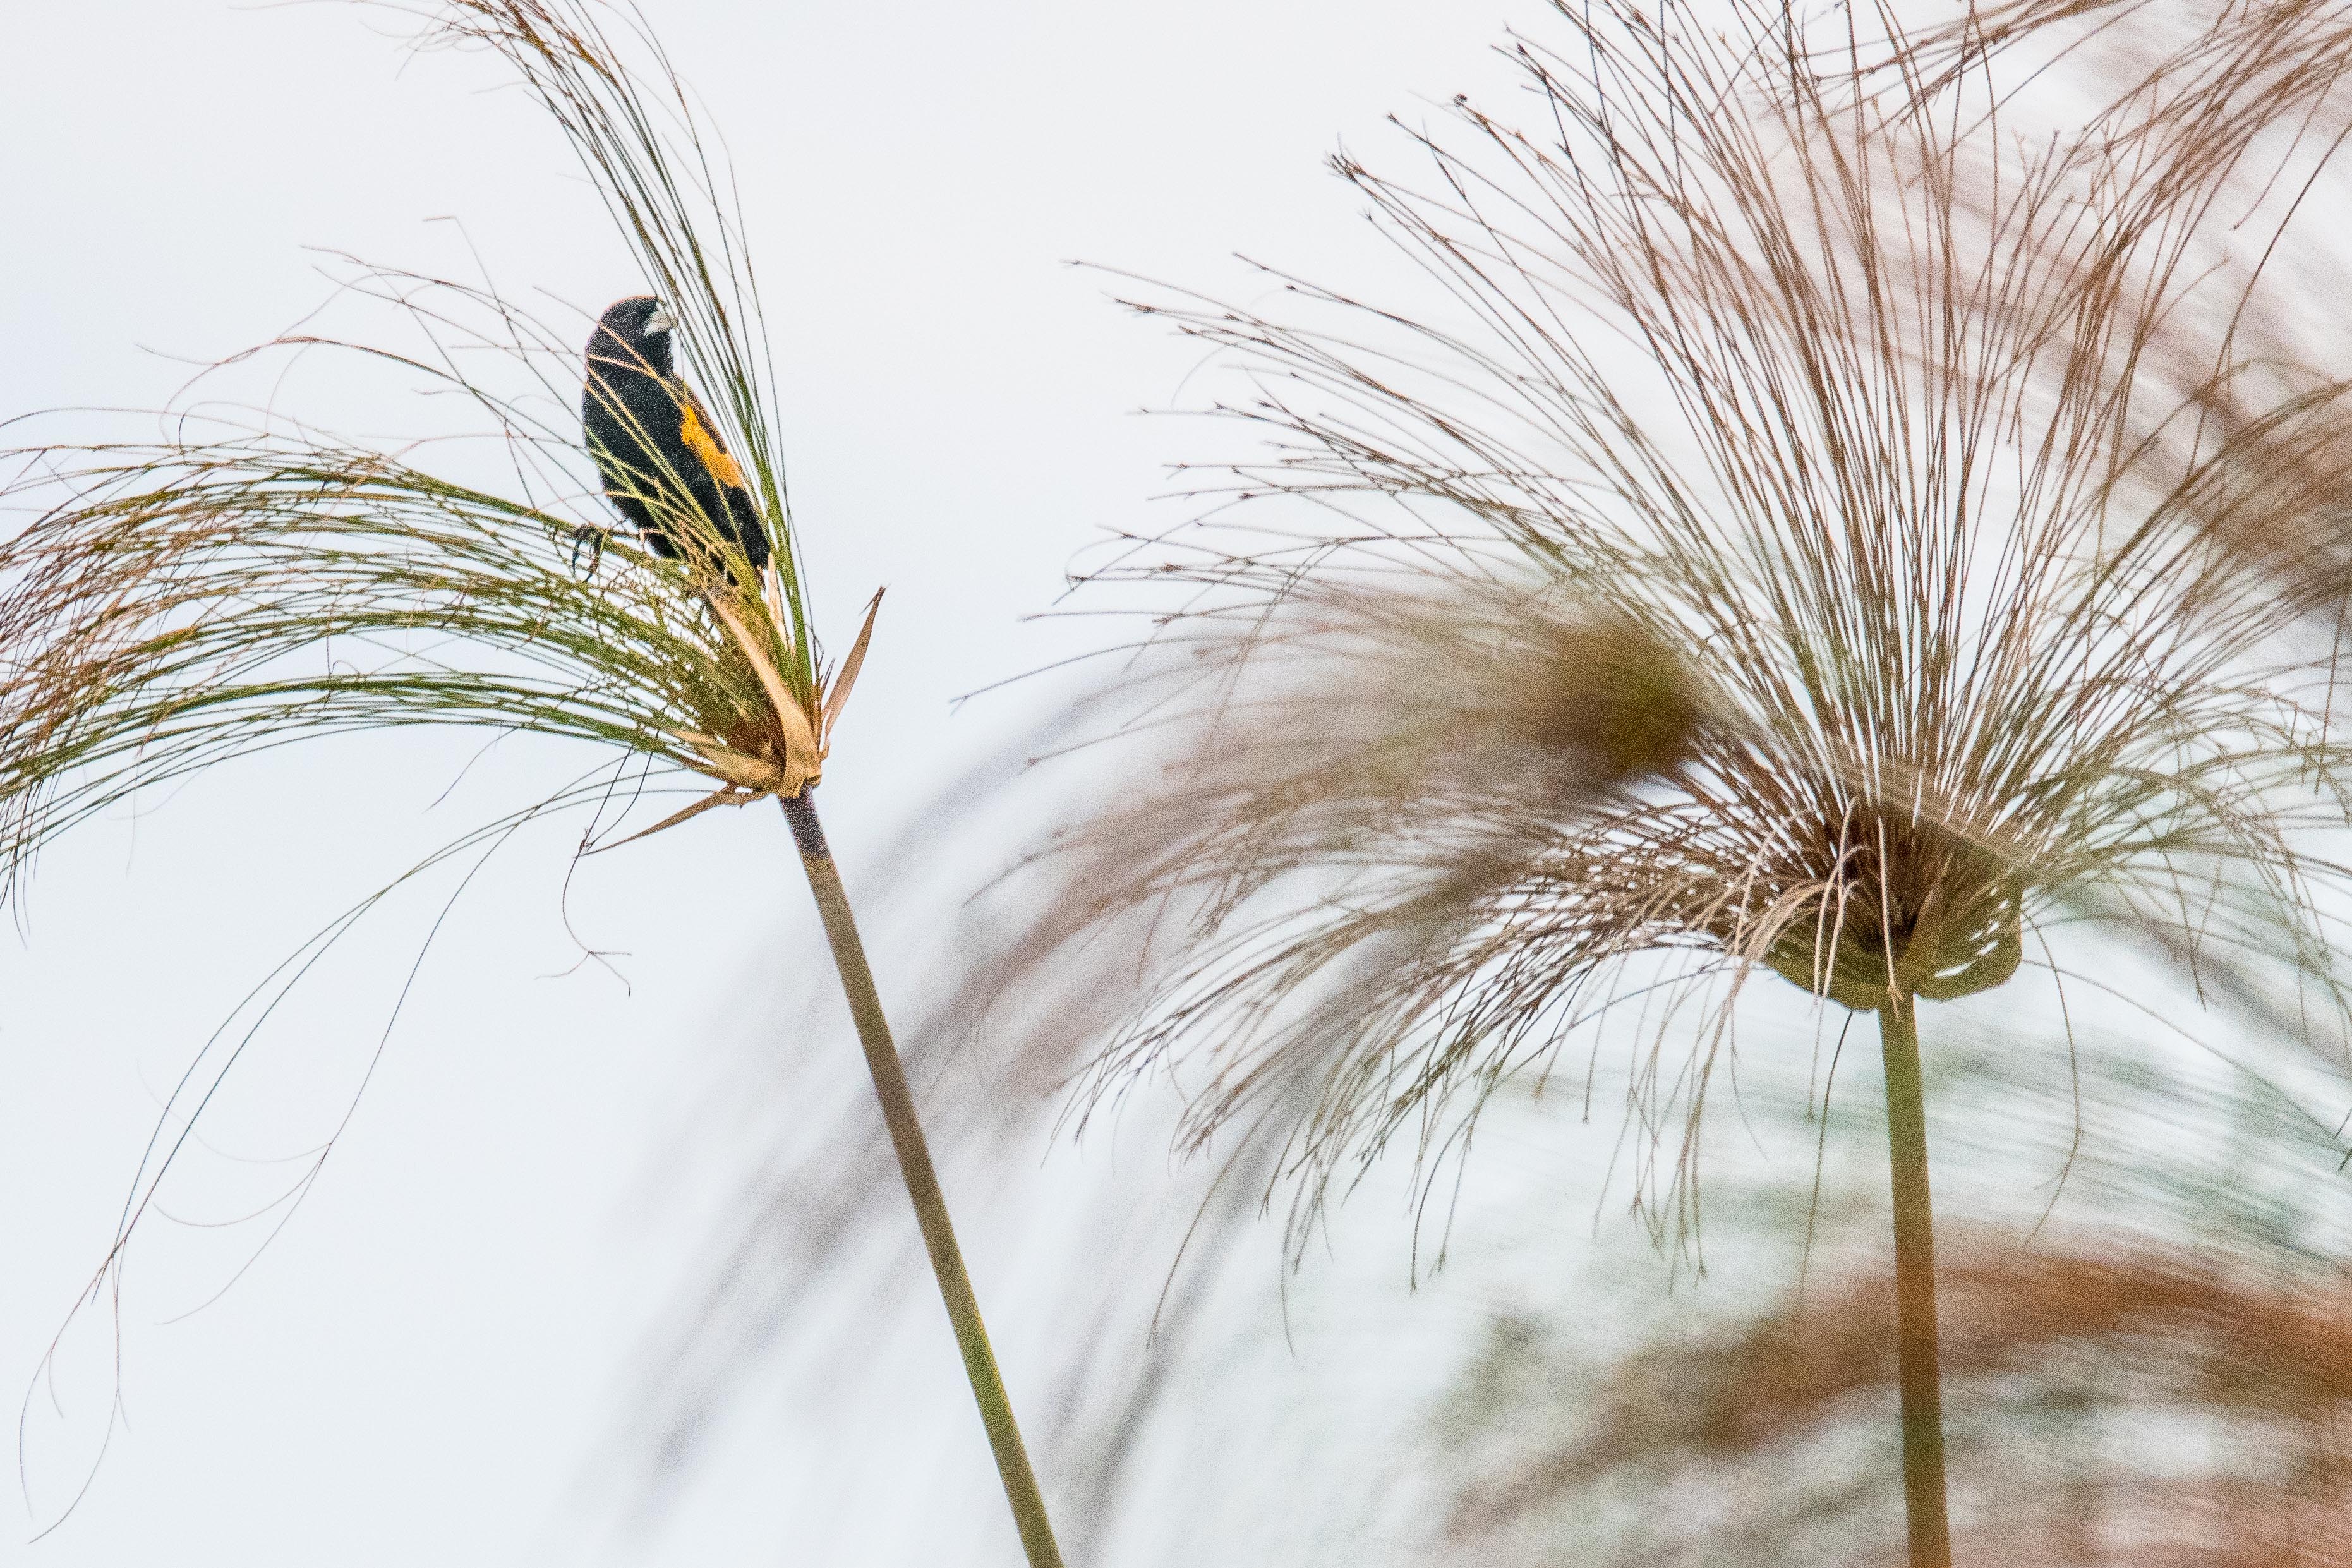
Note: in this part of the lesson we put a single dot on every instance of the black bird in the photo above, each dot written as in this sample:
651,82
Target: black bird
656,448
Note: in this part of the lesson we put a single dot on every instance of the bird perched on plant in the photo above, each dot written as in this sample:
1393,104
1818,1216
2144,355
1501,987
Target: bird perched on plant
655,449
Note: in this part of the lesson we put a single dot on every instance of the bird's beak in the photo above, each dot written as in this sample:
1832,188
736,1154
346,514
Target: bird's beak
661,321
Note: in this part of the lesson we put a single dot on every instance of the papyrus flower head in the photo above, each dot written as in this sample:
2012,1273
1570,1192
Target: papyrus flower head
1845,424
243,583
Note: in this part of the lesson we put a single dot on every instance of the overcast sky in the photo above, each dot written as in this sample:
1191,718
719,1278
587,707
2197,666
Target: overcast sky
417,1368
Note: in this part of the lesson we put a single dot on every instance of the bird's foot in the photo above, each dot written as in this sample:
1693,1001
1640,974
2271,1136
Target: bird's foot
581,536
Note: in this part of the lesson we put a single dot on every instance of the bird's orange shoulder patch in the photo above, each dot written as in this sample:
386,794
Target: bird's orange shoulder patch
703,442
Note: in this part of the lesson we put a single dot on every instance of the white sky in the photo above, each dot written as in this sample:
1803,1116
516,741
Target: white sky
424,1365
415,1369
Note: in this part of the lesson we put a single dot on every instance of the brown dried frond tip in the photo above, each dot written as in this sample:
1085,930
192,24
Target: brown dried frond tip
2128,1406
